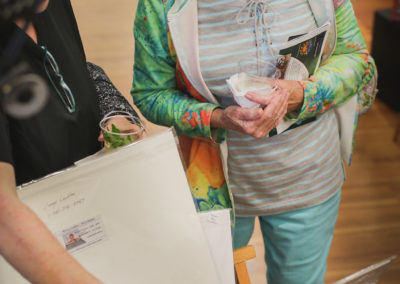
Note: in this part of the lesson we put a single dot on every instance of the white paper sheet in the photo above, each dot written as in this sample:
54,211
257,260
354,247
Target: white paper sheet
347,116
138,202
217,227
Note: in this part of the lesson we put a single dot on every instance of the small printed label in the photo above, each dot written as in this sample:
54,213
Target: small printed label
213,218
83,235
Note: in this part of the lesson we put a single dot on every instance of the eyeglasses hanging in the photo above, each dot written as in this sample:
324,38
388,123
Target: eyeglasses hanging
57,81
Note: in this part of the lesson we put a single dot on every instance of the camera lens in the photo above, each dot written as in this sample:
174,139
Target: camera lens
24,95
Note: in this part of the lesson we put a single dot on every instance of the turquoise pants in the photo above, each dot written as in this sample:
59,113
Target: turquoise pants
296,243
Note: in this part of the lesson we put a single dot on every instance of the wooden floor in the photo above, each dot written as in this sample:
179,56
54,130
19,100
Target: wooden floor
368,227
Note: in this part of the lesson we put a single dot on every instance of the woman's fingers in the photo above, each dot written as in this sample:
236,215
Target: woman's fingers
256,122
273,114
236,118
246,114
101,137
124,126
294,88
241,119
262,99
269,81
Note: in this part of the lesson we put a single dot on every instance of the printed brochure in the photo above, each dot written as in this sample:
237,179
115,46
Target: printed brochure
299,58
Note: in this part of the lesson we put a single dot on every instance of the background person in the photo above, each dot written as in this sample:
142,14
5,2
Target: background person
65,131
291,181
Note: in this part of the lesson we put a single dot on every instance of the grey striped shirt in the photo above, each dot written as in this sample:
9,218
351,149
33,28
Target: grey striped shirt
296,169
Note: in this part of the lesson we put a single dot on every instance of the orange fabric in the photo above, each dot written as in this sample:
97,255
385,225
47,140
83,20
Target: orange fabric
202,157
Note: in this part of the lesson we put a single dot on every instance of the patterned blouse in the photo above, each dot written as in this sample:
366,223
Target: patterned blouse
155,87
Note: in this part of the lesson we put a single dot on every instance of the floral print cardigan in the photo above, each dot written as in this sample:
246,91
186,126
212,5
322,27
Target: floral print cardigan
164,96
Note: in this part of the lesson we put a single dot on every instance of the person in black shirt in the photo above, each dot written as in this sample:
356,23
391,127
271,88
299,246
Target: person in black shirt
64,131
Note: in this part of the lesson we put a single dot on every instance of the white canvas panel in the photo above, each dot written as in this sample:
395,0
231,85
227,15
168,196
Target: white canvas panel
217,227
133,210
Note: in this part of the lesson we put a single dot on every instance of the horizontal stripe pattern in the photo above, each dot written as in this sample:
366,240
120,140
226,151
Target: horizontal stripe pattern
288,171
298,168
223,42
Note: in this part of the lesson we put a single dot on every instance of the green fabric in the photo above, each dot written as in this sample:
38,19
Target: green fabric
344,74
154,87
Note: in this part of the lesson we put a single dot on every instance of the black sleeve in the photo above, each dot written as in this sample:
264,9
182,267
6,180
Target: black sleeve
110,99
5,142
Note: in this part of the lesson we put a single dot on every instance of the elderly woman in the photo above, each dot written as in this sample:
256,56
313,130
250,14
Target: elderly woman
291,180
65,130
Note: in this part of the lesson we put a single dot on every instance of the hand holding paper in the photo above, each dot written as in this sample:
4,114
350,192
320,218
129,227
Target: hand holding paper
240,84
236,118
256,76
273,113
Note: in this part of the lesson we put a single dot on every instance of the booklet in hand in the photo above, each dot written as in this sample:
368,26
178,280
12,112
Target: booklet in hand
299,58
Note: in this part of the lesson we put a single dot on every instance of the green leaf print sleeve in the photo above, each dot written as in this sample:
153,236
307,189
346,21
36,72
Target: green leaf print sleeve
154,88
344,74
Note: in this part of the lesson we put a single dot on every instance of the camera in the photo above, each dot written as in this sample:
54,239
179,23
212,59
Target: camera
14,9
22,93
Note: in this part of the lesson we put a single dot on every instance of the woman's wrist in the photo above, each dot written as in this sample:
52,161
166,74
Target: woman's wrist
216,118
296,97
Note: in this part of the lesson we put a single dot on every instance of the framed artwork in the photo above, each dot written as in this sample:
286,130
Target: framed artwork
396,10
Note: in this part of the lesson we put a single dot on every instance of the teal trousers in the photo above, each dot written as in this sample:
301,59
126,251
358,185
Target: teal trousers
296,242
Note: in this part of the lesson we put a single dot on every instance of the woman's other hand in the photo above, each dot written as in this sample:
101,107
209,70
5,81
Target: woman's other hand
296,93
288,97
276,105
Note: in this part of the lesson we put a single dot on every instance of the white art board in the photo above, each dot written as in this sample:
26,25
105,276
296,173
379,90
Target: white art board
134,212
217,227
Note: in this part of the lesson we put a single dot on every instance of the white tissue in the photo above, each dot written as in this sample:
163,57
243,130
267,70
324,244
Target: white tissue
241,83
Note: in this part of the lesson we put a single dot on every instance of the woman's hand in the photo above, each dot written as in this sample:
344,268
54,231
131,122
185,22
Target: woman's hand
124,126
296,93
287,97
276,105
258,122
236,118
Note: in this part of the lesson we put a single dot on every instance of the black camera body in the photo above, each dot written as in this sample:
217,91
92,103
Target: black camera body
14,9
22,93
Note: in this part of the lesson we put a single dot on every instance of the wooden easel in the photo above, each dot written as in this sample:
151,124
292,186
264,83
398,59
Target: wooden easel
240,256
